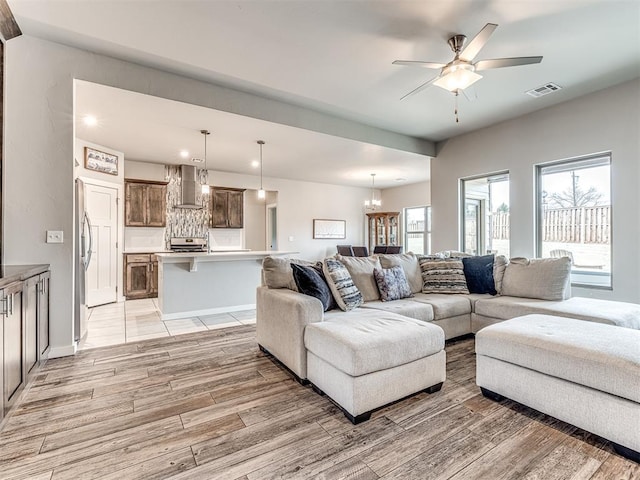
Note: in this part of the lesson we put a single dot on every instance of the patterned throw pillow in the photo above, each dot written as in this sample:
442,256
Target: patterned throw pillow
311,282
443,276
392,283
341,284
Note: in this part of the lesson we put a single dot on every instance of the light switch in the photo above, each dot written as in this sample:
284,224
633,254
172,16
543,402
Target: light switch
54,236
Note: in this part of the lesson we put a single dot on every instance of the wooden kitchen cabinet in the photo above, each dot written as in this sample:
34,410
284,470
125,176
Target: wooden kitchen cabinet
227,207
14,372
141,276
145,203
24,331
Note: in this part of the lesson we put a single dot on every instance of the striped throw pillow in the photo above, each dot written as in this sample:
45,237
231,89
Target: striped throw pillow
443,276
339,279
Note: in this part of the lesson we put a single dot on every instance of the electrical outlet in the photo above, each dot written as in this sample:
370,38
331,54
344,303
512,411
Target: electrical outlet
291,238
54,236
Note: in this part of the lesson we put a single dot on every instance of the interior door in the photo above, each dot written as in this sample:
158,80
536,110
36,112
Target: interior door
101,207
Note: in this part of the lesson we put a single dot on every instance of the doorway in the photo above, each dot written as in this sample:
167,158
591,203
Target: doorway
272,227
101,203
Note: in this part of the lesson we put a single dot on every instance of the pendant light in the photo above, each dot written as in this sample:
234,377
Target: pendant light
373,204
204,177
261,193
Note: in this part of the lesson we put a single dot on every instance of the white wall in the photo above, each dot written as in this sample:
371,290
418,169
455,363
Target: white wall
255,226
608,120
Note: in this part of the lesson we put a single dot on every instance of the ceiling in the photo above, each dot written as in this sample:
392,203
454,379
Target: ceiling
152,129
335,57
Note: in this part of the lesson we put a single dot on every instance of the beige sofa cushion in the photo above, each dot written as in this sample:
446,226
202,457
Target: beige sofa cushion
406,307
591,309
409,263
361,271
544,278
500,263
277,272
371,340
445,306
602,357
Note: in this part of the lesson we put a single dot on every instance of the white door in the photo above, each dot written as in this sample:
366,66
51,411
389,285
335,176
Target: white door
101,278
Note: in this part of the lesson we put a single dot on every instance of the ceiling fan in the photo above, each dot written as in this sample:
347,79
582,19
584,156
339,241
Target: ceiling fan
460,72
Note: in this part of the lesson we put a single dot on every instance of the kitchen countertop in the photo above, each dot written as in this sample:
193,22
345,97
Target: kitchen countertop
15,273
231,256
146,250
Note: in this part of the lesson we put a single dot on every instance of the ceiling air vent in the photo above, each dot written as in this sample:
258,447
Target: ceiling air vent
543,90
197,160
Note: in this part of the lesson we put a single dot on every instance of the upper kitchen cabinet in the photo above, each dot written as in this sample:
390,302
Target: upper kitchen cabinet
227,206
145,203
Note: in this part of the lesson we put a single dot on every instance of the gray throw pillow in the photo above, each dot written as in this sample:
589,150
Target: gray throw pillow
392,283
341,284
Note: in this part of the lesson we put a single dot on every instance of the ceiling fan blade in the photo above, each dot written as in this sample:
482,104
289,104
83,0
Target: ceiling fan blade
506,62
474,46
413,63
424,86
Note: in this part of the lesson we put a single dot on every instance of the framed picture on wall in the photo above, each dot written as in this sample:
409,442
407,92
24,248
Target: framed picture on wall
100,161
329,229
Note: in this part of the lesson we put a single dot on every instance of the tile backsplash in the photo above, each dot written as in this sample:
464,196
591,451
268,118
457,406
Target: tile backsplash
184,222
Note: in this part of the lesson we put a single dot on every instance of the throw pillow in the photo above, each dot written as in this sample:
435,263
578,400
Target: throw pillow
543,278
341,284
361,271
409,264
443,276
392,283
310,282
478,271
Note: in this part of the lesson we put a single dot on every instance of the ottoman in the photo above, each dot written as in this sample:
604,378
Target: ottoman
584,373
369,359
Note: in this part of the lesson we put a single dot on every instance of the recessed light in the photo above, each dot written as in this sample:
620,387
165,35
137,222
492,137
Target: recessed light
255,164
184,154
90,120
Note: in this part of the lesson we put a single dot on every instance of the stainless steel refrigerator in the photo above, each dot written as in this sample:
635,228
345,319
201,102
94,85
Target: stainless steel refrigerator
82,258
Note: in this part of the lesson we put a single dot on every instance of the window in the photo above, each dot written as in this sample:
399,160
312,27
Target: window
485,214
417,230
574,216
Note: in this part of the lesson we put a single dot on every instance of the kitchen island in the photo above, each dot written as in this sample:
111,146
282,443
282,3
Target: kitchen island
196,284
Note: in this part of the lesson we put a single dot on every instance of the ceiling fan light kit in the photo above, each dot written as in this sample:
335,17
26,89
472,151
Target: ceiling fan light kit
460,73
457,77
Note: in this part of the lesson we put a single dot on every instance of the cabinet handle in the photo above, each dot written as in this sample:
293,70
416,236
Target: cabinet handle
11,304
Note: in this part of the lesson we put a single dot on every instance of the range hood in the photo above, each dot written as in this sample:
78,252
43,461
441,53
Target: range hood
189,186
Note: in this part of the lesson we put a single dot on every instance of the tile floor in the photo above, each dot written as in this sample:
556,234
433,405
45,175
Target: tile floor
134,320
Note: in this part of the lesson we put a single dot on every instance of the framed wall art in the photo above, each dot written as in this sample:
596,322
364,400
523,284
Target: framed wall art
329,229
100,161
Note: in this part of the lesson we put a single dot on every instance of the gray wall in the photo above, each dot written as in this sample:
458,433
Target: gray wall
608,120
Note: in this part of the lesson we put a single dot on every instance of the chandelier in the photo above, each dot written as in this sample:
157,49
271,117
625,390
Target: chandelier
374,203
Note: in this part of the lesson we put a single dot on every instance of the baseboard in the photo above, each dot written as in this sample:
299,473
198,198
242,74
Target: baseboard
208,311
65,351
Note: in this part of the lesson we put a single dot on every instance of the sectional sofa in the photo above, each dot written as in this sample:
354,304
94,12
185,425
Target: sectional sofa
522,286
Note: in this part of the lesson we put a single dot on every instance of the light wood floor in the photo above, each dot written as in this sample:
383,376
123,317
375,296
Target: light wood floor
209,405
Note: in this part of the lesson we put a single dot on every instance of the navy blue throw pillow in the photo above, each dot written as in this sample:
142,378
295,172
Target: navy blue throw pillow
310,282
478,272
